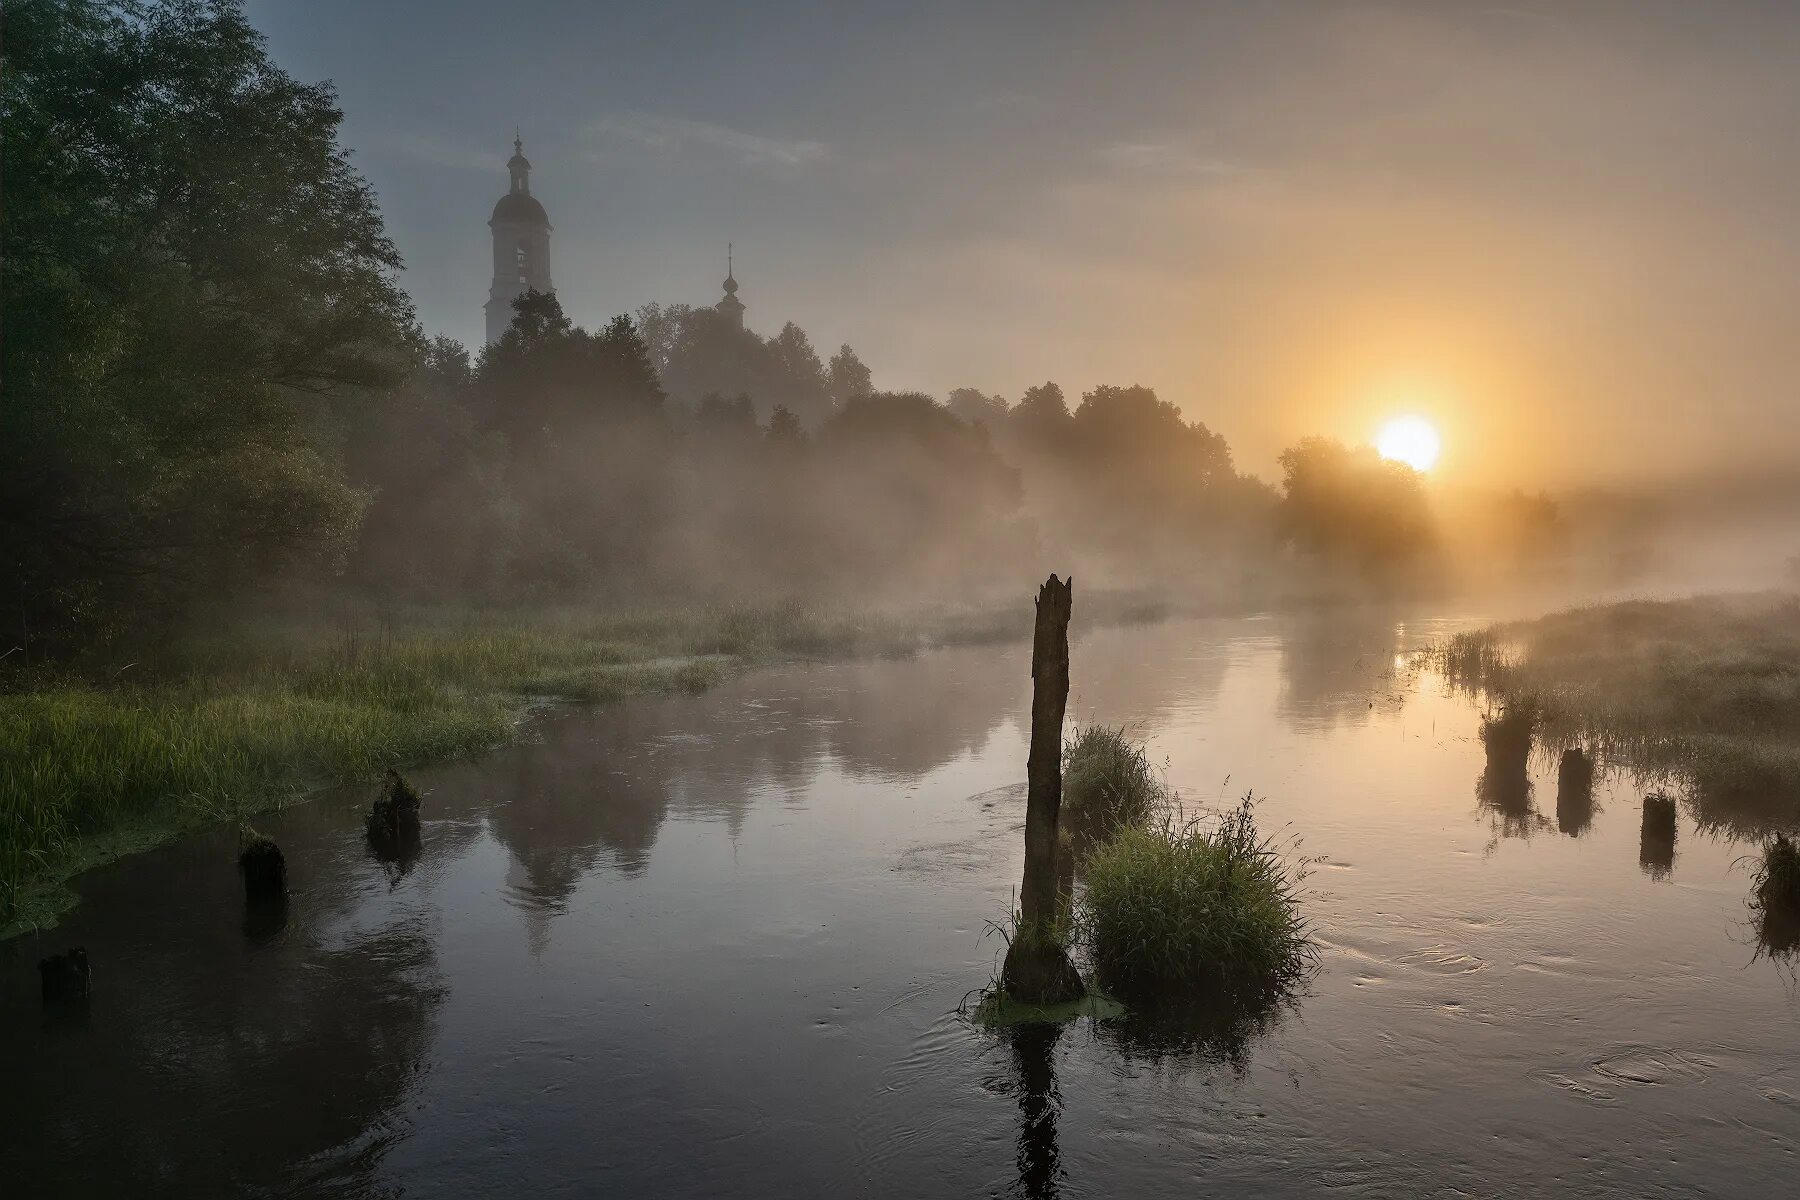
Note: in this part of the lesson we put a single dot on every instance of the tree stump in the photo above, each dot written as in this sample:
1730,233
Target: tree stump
1574,791
66,978
265,872
1037,968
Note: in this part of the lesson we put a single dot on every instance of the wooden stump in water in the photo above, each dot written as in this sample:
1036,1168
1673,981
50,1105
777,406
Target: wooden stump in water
265,872
1656,842
66,978
1574,791
1037,968
394,820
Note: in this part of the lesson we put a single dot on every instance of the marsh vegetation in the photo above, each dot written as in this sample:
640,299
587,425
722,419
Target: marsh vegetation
1701,693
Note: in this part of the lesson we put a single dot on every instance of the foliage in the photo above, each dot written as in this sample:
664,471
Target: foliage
1108,782
1185,904
189,262
699,351
1352,505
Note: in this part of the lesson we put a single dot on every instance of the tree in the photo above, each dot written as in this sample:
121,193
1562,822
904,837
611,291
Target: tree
848,378
977,409
785,428
1353,505
1040,420
193,273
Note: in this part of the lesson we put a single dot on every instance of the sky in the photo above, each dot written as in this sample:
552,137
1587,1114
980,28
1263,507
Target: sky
1562,232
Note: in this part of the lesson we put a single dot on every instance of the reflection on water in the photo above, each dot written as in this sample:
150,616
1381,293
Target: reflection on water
702,946
1034,1058
1206,1030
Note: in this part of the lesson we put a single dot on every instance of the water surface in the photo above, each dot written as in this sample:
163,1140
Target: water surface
715,945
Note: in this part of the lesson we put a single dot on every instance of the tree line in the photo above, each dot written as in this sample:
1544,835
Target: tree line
213,380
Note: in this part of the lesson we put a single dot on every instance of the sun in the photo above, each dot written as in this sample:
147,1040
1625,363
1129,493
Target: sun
1410,440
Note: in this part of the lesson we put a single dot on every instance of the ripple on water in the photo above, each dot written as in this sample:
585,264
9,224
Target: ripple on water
1652,1066
1443,960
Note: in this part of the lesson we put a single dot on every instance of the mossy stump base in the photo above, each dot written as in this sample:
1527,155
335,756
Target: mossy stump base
1040,973
998,1010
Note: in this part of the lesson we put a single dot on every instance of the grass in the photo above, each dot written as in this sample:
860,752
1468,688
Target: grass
1778,878
1704,692
1108,783
1173,904
103,757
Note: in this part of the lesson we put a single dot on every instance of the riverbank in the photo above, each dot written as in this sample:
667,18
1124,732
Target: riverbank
1703,693
104,758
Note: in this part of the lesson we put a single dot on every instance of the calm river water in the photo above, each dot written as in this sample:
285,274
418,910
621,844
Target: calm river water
715,945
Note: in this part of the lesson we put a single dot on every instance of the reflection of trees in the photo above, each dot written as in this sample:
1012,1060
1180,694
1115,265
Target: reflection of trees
217,1066
1338,667
1136,676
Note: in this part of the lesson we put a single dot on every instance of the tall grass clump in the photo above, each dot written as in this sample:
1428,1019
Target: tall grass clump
1193,904
1108,783
1778,878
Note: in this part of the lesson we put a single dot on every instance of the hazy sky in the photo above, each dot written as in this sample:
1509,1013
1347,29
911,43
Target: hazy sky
1564,231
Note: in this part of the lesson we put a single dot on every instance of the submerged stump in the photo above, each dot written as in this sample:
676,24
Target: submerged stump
394,819
66,978
265,872
1037,969
1656,841
1574,791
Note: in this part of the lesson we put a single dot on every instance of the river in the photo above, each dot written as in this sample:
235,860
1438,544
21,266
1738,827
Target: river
716,945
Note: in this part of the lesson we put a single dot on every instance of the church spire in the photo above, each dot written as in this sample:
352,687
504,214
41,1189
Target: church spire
519,165
730,305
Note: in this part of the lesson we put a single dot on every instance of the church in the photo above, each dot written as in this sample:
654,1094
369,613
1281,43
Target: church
521,234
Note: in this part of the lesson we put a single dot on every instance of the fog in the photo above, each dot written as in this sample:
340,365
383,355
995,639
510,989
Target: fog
1560,231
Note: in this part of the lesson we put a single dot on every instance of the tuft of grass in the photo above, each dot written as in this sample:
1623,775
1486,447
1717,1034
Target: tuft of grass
1108,783
1778,878
1193,904
1507,737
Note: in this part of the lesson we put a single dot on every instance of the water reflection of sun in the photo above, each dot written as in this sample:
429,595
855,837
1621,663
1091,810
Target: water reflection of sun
1411,440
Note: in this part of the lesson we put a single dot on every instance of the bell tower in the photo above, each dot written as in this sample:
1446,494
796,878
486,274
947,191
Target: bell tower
730,305
521,230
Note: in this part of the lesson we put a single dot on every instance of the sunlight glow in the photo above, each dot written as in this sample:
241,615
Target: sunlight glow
1410,440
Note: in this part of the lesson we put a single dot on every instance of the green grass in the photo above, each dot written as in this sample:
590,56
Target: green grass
1703,692
104,757
1174,905
1108,783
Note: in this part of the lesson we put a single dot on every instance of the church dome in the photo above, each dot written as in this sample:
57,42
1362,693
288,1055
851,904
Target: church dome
520,206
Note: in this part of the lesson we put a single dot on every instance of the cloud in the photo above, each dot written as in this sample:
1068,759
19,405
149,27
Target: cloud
680,135
438,152
1170,159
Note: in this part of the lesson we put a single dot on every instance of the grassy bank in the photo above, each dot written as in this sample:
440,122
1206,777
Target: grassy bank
1704,692
101,758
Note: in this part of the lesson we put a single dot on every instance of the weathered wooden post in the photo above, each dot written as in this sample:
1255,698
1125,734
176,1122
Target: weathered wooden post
1574,791
1656,838
1037,968
264,871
